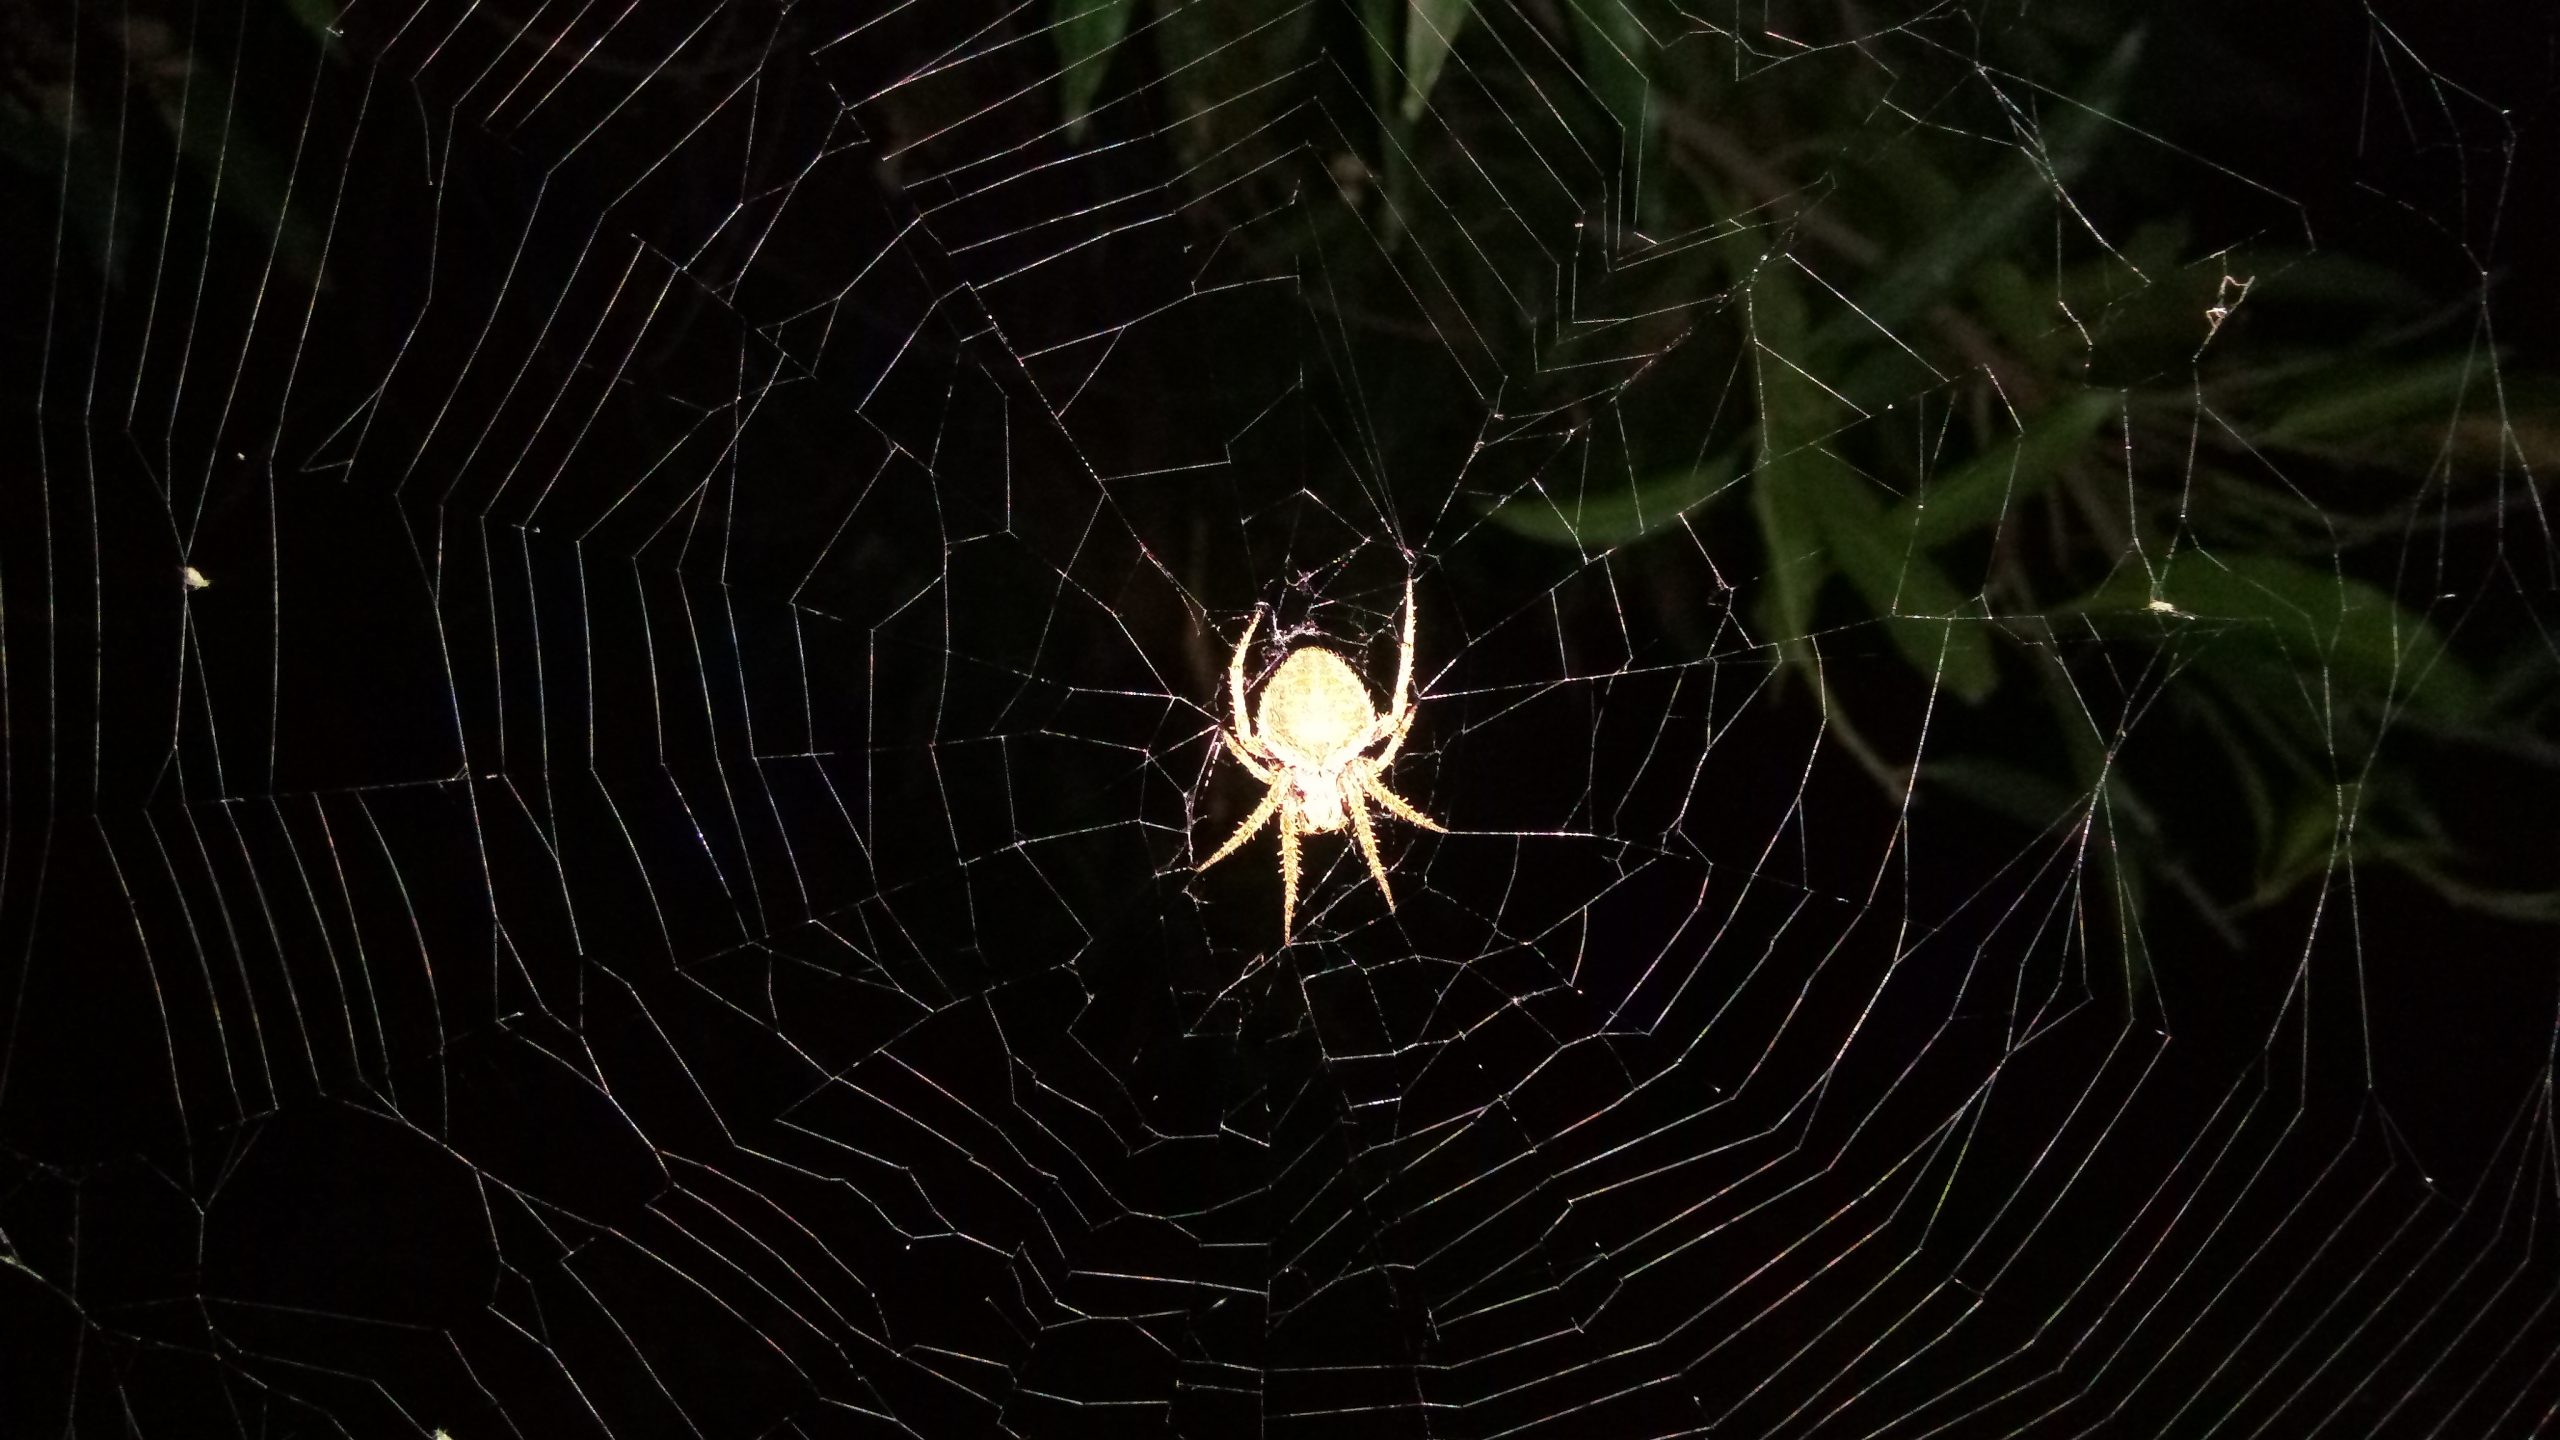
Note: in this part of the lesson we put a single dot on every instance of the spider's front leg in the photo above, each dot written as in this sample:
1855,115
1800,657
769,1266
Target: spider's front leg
1399,716
1235,691
1246,758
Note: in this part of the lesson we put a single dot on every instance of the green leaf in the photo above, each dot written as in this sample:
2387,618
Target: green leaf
2033,800
1907,589
1983,489
1918,193
1817,511
2199,712
2304,841
2126,844
2522,425
320,17
1430,28
1378,38
2353,401
2531,907
2083,745
1993,218
2289,632
2020,308
1086,33
1603,518
1614,47
2340,281
1229,72
2418,416
2155,245
1790,467
1797,561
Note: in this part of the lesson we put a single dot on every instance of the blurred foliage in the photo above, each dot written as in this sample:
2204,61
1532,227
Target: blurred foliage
2131,458
1964,380
153,114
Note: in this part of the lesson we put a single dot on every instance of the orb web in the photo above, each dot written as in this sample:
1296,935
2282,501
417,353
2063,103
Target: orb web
615,634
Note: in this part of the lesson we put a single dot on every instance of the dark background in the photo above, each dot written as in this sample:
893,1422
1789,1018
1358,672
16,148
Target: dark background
652,892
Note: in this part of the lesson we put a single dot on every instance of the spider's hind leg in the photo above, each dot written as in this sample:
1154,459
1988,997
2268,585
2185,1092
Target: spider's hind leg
1235,679
1236,748
1402,807
1369,847
1270,802
1288,867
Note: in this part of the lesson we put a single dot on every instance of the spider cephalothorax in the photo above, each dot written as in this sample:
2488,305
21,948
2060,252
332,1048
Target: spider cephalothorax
1308,741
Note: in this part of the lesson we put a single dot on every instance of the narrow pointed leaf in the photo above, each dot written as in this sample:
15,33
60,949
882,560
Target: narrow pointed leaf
1604,518
1908,589
1614,51
1613,47
1990,220
1430,28
1086,33
2295,634
1380,31
1986,487
2354,405
1790,470
1817,512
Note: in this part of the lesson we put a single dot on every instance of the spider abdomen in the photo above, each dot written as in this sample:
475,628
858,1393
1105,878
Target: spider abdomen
1315,709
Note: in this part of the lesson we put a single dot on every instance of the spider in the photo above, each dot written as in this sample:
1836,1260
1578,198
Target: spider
1305,742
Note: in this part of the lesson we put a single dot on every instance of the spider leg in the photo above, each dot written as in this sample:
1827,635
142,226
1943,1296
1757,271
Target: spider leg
1270,802
1399,716
1260,771
1369,848
1404,655
1288,861
1235,680
1394,726
1377,790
